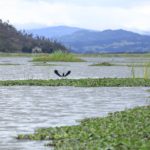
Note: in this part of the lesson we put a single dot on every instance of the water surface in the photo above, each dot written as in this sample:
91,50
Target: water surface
26,69
24,108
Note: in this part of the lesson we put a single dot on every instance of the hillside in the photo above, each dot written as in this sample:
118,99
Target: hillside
107,41
89,41
54,32
12,40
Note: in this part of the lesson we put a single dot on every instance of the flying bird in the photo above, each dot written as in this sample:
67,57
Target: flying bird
63,74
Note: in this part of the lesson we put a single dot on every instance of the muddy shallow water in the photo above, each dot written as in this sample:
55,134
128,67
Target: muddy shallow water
23,109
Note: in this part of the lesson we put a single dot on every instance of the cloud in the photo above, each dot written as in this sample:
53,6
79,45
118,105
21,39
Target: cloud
96,14
33,11
116,3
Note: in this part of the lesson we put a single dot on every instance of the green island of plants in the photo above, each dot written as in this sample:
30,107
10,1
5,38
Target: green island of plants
103,64
45,64
8,64
58,56
140,55
99,82
146,65
125,130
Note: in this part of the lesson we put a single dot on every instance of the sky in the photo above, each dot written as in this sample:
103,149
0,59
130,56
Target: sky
133,15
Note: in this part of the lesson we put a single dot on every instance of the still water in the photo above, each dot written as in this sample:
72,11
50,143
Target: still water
23,109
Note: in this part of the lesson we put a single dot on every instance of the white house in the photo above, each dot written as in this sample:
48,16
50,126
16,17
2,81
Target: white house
36,50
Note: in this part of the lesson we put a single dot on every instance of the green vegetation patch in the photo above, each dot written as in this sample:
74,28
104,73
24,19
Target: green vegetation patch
103,64
125,130
17,54
121,64
45,64
100,82
148,90
143,55
8,64
146,64
127,55
58,56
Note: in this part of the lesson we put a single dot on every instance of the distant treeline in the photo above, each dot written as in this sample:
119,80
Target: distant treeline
12,40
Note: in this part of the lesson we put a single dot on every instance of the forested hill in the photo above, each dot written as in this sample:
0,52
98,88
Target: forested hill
12,40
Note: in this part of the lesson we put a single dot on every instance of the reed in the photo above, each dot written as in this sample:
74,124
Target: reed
146,73
58,56
133,71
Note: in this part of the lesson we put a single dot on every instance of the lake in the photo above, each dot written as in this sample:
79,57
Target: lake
18,68
25,108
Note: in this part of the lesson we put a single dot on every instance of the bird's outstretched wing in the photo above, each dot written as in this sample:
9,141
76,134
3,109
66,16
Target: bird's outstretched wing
67,73
57,73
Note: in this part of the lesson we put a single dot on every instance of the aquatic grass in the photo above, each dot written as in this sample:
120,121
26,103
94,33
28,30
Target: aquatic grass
103,64
97,82
148,90
45,64
58,56
133,71
146,70
146,73
18,54
142,55
125,130
8,64
145,55
117,64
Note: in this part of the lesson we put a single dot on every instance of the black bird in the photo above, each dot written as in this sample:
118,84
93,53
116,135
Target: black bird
62,75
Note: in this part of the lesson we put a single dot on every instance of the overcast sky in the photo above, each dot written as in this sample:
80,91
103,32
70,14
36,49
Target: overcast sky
90,14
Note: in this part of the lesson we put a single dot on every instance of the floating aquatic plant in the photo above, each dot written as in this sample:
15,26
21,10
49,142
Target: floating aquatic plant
89,82
125,130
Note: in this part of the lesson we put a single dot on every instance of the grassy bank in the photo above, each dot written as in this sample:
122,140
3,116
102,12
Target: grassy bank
76,55
58,56
17,54
126,130
127,55
116,55
101,82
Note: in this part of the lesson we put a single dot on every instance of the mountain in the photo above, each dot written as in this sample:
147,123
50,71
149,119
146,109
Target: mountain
54,32
90,41
107,41
145,33
12,40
